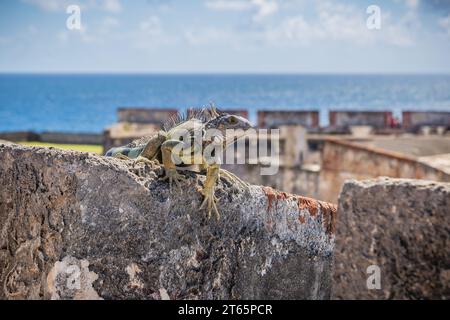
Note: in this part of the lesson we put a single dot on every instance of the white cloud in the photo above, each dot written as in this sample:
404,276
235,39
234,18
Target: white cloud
295,30
333,22
147,35
63,36
86,37
260,9
340,22
111,22
445,24
228,5
32,29
113,6
151,26
412,4
83,35
151,35
409,4
330,21
397,33
49,5
265,8
107,25
196,37
100,32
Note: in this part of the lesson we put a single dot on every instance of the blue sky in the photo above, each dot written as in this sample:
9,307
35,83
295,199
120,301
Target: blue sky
243,36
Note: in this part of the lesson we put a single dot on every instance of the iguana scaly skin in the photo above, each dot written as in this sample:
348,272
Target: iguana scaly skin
161,146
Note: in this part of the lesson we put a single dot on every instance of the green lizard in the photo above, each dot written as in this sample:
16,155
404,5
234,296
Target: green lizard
165,145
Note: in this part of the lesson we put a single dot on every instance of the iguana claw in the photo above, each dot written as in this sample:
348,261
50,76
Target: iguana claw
173,176
142,159
209,202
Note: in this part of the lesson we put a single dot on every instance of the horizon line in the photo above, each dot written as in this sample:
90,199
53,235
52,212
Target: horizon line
169,73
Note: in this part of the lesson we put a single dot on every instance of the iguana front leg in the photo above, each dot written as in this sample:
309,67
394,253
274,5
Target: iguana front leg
169,166
150,151
209,201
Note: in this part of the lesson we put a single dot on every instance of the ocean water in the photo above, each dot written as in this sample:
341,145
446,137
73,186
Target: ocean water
88,103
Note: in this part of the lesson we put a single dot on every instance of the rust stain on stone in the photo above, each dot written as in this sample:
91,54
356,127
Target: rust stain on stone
271,196
329,216
301,219
307,203
282,196
327,210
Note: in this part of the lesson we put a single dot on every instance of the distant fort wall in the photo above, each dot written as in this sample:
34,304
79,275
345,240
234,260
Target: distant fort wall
413,120
71,138
145,115
53,137
274,119
376,119
342,160
155,117
16,136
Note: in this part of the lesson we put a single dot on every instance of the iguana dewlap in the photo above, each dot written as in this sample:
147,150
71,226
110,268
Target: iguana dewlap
193,136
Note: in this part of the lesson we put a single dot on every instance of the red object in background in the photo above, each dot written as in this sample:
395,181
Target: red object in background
393,122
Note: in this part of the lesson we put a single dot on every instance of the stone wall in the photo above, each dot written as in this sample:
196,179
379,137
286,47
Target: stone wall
145,115
403,227
53,137
293,180
79,226
274,119
377,119
342,160
414,119
19,136
71,138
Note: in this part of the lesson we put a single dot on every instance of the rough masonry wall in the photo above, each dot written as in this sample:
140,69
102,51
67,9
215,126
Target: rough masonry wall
343,160
377,119
400,225
294,180
80,226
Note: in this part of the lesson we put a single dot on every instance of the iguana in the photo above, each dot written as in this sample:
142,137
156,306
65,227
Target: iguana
196,124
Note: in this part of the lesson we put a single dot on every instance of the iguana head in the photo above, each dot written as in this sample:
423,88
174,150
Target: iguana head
225,121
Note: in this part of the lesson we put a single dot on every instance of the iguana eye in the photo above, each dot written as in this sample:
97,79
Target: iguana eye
232,120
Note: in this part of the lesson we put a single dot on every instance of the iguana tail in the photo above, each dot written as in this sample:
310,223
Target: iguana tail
129,152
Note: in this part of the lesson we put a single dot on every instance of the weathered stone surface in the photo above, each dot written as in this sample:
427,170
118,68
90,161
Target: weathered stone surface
401,225
343,160
80,226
